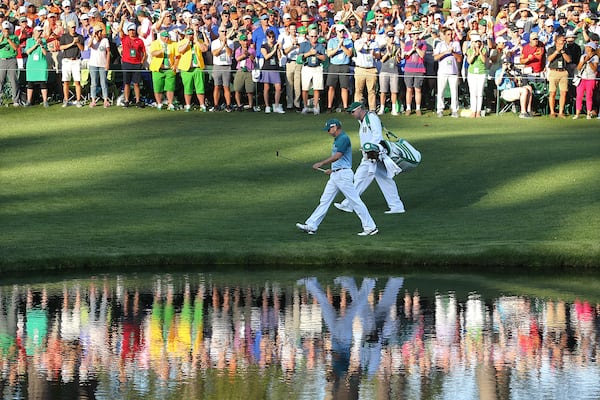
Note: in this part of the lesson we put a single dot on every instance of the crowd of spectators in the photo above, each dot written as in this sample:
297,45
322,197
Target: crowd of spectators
303,55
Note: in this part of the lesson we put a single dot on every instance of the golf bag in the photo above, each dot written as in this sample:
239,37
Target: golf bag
401,152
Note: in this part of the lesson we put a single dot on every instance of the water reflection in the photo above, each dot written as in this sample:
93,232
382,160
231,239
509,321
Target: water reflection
189,337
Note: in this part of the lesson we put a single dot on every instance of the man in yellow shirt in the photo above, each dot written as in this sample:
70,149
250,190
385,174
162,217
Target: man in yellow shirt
191,66
163,67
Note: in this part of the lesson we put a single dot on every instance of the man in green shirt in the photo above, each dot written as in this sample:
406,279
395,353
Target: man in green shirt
9,43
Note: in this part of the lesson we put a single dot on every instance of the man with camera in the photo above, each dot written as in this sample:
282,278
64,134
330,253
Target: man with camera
511,88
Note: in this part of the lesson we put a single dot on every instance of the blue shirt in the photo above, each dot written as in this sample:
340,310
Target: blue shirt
341,144
339,58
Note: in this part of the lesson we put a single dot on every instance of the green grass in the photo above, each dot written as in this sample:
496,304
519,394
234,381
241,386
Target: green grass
101,188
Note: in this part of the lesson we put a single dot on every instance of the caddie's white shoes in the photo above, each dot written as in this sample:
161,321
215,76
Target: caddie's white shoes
369,232
342,207
305,228
396,211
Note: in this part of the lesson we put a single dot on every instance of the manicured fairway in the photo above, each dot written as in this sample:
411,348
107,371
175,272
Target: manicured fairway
119,187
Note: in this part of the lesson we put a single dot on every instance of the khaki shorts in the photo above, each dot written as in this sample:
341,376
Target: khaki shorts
558,79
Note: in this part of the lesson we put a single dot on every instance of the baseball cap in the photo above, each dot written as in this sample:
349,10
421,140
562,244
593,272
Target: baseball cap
354,106
243,37
500,39
38,28
66,3
367,147
331,123
71,24
593,45
43,11
164,34
323,9
84,16
385,4
549,22
189,32
533,35
6,25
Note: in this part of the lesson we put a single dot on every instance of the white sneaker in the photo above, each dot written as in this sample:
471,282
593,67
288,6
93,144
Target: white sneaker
305,110
267,110
159,106
279,109
171,107
381,110
305,228
316,110
78,104
395,110
396,211
203,108
65,104
369,232
342,207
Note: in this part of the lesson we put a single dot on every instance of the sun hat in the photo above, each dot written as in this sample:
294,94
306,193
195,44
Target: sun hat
331,123
354,106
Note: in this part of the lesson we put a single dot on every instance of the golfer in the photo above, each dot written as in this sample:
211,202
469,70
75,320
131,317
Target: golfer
340,179
371,132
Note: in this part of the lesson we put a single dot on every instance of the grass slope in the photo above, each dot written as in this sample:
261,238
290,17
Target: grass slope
122,187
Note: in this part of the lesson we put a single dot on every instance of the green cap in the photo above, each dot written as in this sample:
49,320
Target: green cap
243,37
164,34
482,22
354,106
302,29
367,147
331,123
189,32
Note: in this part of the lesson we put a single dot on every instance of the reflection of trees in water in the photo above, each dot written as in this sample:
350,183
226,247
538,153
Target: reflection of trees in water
198,338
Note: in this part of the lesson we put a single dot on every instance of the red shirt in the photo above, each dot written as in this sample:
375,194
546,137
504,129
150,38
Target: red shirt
533,56
133,50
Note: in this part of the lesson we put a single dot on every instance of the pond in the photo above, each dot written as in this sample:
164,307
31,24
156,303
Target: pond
243,334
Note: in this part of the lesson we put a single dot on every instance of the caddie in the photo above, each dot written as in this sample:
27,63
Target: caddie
371,131
340,180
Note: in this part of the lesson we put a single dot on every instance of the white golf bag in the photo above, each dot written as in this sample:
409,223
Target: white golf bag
404,155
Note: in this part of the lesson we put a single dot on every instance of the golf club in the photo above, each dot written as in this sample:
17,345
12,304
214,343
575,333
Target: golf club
278,154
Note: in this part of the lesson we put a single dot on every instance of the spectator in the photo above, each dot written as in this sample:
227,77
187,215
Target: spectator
191,66
290,41
558,77
133,57
533,56
414,69
511,89
449,56
365,74
245,56
222,52
71,45
163,67
476,57
9,45
68,15
271,52
588,67
99,64
84,30
37,66
339,51
23,32
312,54
388,74
52,32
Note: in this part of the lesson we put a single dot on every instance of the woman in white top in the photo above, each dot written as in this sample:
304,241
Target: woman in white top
99,64
588,66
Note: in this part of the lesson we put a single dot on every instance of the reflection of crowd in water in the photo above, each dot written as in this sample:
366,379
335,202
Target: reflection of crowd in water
338,338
